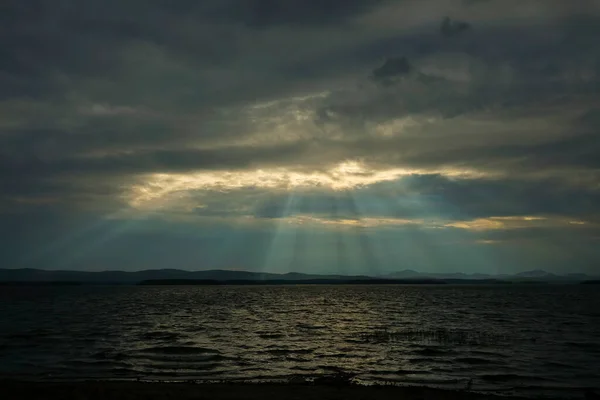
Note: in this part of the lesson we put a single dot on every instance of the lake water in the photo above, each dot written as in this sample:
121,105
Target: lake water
529,340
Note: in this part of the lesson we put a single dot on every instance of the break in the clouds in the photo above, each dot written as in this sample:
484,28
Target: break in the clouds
324,136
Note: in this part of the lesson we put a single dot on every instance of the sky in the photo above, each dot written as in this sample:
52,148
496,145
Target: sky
318,136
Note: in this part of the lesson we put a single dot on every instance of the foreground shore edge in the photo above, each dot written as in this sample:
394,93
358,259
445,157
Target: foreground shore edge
91,390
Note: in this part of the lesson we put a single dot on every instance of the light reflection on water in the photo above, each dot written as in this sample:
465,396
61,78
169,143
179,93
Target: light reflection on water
533,339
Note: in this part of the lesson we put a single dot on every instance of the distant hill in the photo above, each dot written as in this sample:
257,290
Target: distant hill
537,274
526,276
16,276
409,273
38,275
369,281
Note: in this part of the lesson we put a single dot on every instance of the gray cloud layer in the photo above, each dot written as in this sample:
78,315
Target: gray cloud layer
94,96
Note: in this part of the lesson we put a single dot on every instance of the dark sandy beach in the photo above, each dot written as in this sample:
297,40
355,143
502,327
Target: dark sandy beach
92,390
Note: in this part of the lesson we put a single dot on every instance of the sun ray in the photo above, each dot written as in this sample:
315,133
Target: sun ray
416,244
121,227
280,246
340,244
312,259
71,238
369,255
300,248
382,207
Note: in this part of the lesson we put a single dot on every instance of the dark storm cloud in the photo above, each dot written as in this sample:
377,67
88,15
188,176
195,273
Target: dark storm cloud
469,2
391,68
94,95
477,198
462,80
451,28
539,144
46,46
437,197
266,13
152,161
41,40
577,152
105,134
580,150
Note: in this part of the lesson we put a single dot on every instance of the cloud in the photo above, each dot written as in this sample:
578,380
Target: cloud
391,68
424,199
267,13
470,2
273,112
451,28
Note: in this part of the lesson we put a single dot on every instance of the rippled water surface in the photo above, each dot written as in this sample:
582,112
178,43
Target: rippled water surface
525,339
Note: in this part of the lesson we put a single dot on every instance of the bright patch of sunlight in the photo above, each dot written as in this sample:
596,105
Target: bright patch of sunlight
488,241
513,222
163,190
362,222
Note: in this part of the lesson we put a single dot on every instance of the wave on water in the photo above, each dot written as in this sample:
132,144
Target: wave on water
512,377
178,350
474,361
406,335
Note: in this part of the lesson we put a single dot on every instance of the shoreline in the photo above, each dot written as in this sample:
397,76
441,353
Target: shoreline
116,389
